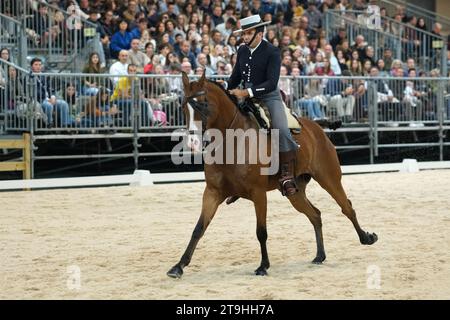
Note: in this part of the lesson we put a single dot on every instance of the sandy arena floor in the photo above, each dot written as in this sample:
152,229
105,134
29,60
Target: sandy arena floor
124,239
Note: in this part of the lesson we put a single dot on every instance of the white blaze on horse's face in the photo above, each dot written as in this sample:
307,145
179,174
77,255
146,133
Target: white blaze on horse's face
194,141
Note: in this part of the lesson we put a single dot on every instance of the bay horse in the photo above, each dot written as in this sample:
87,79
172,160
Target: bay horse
316,158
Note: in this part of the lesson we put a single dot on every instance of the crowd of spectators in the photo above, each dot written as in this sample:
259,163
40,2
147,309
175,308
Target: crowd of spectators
170,36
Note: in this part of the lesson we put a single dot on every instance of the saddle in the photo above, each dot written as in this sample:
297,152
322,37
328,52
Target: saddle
257,110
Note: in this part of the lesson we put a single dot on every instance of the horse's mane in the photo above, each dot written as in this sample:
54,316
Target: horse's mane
231,97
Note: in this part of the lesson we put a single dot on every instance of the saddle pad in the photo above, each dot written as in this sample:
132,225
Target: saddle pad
292,121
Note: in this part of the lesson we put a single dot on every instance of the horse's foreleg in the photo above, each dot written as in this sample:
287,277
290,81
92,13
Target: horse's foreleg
302,204
211,200
260,202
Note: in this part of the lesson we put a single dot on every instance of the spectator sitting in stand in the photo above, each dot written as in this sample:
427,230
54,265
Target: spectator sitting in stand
45,95
120,67
137,57
121,40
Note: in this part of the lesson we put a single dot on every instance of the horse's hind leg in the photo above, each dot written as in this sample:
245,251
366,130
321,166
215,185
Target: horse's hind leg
335,189
260,202
211,200
302,204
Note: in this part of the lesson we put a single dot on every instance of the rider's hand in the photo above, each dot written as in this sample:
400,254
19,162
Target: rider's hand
239,93
222,83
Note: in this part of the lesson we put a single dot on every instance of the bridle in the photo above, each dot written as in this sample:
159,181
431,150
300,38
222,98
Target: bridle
202,108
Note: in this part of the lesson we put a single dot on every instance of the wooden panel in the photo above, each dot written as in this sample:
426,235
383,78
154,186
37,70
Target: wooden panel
12,144
27,156
12,166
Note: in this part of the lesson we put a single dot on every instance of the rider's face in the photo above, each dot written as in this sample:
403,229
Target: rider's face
248,35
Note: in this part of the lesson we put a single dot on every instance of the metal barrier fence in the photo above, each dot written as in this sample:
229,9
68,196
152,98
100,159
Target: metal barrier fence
396,101
410,9
9,30
428,50
11,8
11,95
45,30
10,37
137,106
102,102
85,102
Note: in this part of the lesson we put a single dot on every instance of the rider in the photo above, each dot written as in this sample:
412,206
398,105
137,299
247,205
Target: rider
258,66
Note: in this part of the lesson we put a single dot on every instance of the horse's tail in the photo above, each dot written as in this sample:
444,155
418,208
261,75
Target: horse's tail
333,125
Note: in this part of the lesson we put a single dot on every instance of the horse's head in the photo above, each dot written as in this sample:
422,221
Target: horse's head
195,104
195,108
206,102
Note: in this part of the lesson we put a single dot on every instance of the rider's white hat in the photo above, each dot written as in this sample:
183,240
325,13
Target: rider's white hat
251,23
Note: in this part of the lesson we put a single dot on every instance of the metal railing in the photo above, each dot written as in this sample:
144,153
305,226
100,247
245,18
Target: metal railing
428,50
11,8
397,101
62,37
13,97
49,105
77,99
84,102
8,31
409,8
12,36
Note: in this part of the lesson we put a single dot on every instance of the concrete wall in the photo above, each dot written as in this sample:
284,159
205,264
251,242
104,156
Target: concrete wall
443,7
426,4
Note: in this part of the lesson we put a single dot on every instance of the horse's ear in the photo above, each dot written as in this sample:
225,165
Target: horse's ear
202,78
185,79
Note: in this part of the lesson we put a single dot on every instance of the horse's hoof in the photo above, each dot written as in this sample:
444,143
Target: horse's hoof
369,238
319,259
261,271
175,272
